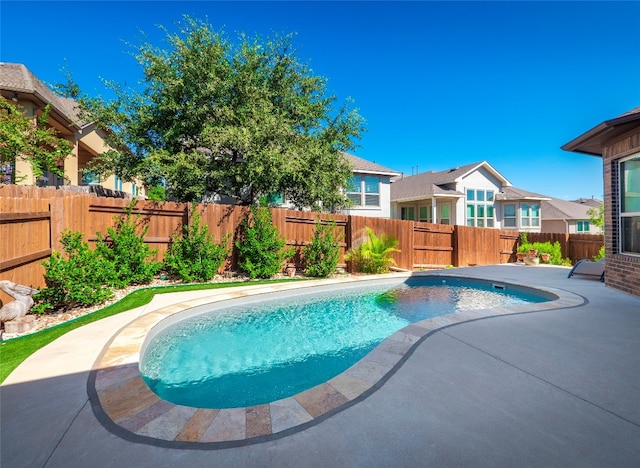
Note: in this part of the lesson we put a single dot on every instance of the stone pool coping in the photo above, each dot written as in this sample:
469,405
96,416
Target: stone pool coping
124,404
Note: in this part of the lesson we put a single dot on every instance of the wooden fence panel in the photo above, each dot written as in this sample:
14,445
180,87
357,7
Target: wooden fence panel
33,219
574,246
161,220
432,245
477,246
401,230
223,222
508,246
25,226
584,246
300,227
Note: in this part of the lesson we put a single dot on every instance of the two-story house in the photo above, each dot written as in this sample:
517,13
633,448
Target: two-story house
472,195
20,86
369,189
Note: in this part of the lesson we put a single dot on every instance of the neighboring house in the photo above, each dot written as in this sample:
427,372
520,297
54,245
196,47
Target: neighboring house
568,216
617,142
472,195
369,188
23,88
590,202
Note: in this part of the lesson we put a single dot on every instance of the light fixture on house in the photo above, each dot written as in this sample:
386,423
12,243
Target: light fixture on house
14,97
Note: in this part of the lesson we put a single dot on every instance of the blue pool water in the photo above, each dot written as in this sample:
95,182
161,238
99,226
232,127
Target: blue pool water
254,354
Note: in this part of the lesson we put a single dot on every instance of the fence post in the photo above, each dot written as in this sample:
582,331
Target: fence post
56,207
455,244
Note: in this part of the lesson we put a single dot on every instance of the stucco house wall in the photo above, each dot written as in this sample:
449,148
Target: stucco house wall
554,226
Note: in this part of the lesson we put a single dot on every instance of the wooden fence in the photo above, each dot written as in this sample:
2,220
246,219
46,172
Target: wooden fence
33,219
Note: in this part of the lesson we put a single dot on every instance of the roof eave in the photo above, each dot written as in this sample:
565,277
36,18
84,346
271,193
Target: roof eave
390,174
591,142
425,197
522,198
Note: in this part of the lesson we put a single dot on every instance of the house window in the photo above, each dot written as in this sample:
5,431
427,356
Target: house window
445,217
50,179
630,205
480,208
529,215
583,226
407,213
89,178
509,219
118,183
275,199
7,173
471,215
364,190
425,214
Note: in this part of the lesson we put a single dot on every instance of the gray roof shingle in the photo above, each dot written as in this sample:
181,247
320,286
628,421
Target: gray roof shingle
563,209
514,193
362,165
429,184
18,78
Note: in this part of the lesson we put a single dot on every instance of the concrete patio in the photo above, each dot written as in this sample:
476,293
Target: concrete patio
549,388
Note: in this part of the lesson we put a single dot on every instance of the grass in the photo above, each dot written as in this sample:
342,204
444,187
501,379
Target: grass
14,351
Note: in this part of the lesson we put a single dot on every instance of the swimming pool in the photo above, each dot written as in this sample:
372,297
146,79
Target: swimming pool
256,351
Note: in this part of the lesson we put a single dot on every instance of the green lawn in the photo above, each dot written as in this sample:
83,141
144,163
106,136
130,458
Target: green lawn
16,350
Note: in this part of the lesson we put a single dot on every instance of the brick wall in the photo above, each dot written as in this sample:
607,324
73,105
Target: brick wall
623,271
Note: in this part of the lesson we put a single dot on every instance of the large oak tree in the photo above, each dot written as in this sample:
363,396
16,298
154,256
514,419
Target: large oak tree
242,118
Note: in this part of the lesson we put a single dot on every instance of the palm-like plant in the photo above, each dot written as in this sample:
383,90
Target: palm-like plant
374,254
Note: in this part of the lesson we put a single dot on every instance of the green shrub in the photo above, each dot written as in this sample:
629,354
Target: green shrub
78,280
600,255
157,193
554,250
195,256
125,248
261,248
373,255
322,254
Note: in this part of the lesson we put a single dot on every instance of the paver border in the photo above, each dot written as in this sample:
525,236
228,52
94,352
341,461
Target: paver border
126,407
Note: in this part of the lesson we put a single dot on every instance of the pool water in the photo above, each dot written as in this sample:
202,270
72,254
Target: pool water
255,354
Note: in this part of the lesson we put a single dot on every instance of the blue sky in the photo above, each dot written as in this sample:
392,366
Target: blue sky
440,84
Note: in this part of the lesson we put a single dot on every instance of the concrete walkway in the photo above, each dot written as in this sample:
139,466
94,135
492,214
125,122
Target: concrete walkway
550,388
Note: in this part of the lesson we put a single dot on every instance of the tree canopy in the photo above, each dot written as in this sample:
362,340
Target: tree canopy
596,216
243,119
36,142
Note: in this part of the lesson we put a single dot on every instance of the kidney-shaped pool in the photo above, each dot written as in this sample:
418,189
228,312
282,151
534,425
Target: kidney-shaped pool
249,352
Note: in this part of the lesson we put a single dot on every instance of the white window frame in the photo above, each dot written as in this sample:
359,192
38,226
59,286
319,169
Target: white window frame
481,201
513,216
580,226
363,196
528,220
